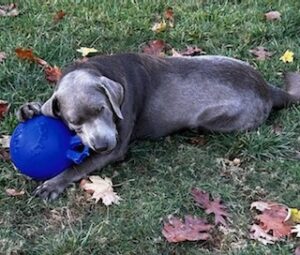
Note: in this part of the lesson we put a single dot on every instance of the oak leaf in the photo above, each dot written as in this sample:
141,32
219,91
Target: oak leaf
213,206
191,229
101,189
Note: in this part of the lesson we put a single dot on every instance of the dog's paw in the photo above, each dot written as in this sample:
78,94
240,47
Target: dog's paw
28,110
50,189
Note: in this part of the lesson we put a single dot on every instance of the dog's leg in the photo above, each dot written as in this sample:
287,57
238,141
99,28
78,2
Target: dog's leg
291,94
28,110
52,188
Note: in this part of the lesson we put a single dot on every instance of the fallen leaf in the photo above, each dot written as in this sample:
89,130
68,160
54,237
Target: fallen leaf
156,48
277,226
287,57
273,15
14,193
4,141
297,251
293,215
191,51
52,74
277,128
102,189
257,233
86,51
4,154
261,53
59,16
9,10
159,27
169,16
176,53
296,230
2,56
192,229
4,107
199,140
272,220
214,206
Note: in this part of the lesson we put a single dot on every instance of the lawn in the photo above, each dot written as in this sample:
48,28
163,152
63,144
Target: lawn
156,178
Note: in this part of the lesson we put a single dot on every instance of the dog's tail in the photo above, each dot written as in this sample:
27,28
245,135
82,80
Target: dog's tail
290,94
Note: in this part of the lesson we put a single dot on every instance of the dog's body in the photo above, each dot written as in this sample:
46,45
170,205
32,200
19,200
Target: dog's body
111,100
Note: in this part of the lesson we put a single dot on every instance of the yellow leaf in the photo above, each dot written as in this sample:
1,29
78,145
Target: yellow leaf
159,26
293,215
287,57
101,189
85,51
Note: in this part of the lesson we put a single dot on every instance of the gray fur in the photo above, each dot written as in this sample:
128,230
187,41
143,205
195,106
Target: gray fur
112,100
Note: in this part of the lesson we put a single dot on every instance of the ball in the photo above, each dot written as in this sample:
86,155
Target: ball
43,147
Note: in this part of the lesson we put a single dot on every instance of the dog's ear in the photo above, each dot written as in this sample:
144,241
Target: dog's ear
114,92
51,107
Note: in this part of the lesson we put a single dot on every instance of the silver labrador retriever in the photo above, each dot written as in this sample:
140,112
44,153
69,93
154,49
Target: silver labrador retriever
112,100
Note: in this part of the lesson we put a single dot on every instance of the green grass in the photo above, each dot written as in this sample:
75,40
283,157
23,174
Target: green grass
156,178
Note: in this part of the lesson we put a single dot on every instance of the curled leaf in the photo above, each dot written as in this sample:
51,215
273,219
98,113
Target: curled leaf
4,107
59,16
2,56
14,192
52,74
86,51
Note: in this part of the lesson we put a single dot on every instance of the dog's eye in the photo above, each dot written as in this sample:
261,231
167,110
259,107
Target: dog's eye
100,110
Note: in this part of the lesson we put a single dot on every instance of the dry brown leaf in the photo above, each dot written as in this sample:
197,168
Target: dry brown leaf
261,53
14,193
4,141
192,229
2,56
9,10
4,107
59,16
169,16
199,140
192,51
156,48
277,128
273,15
52,74
4,154
102,189
214,206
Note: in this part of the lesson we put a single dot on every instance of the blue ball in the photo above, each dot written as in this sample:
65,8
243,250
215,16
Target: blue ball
43,147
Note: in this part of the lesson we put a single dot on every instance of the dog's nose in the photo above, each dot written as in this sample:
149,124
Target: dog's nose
100,147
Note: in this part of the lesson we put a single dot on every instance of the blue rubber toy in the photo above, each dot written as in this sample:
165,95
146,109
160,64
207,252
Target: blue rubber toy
43,147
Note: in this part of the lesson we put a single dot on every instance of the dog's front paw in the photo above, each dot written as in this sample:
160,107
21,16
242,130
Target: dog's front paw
28,110
50,189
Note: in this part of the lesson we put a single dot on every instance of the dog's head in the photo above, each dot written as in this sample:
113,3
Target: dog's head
89,104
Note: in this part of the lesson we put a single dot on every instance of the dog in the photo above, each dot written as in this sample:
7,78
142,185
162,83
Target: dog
110,101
